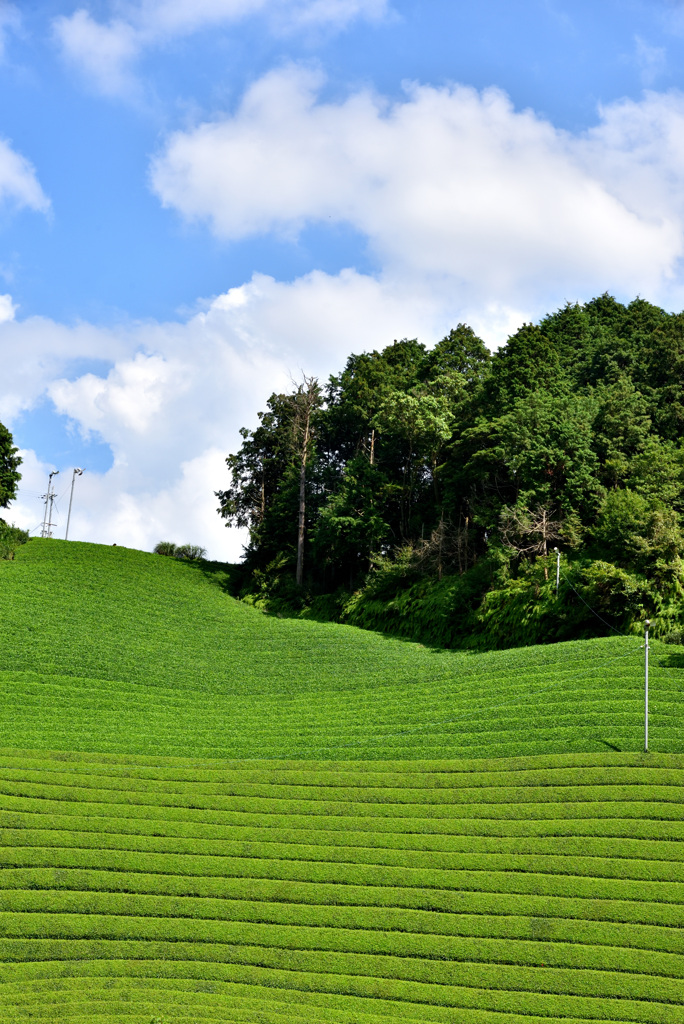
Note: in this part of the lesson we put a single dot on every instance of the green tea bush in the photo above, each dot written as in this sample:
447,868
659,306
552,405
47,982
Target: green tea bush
150,654
377,866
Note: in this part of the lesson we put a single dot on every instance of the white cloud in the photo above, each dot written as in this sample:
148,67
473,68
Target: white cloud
450,182
107,510
106,51
176,395
37,351
18,181
130,397
637,149
102,52
475,212
7,308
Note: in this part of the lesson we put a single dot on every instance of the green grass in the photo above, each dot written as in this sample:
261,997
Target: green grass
210,815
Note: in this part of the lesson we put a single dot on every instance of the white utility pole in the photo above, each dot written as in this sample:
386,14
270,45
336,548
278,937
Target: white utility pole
49,499
557,569
648,623
77,472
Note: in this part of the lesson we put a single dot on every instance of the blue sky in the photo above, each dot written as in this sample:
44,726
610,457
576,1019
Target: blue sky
201,198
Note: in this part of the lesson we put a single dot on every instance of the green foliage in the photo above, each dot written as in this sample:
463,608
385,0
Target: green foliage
165,547
451,457
10,460
351,527
540,452
632,531
264,491
274,588
193,552
527,364
11,537
401,601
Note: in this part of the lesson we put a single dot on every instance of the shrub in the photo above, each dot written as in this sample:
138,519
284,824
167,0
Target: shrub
428,610
11,537
275,589
166,547
192,552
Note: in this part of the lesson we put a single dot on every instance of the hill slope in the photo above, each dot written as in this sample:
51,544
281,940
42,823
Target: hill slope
323,848
108,649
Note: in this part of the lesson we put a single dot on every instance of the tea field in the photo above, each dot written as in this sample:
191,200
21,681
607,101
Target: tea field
112,650
209,815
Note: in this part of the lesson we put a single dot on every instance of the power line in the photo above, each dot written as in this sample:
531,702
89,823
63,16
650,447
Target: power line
592,610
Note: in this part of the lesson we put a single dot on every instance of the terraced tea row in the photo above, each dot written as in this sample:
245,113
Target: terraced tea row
524,889
438,719
140,653
368,881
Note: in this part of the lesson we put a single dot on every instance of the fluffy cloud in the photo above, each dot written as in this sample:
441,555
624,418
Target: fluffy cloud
37,351
176,395
18,181
102,52
448,182
106,51
475,212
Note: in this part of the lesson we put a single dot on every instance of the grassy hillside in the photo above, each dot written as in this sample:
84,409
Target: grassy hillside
107,649
210,815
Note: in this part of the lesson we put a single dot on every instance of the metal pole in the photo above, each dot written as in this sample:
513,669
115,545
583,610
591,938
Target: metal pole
52,497
50,523
45,514
77,472
648,623
557,569
49,498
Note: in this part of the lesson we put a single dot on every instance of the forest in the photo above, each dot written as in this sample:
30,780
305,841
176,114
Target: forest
424,492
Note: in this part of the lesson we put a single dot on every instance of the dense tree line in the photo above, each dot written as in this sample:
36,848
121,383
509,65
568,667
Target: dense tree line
10,461
432,484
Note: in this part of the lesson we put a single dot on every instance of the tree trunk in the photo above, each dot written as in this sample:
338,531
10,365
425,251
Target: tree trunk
302,502
467,524
546,550
441,543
